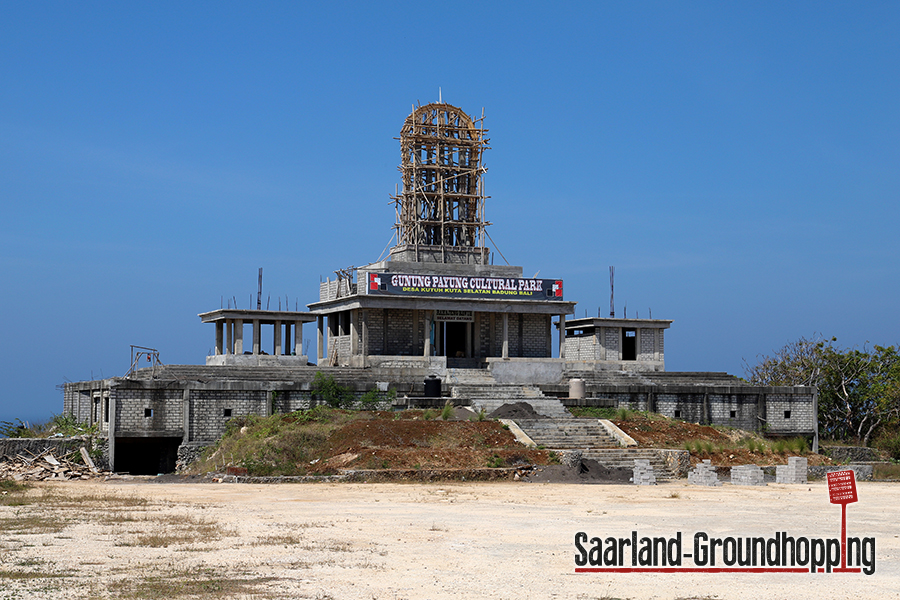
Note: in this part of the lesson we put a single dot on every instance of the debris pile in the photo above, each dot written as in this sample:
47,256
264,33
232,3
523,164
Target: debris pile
45,466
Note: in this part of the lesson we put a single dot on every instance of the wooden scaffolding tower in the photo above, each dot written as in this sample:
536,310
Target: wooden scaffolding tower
440,204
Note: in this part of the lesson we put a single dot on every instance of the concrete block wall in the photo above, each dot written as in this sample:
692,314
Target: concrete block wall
647,350
584,347
165,405
777,407
715,406
611,342
534,335
328,290
207,420
483,345
375,326
400,328
743,407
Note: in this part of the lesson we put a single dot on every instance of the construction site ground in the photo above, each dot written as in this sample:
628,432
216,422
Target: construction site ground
132,539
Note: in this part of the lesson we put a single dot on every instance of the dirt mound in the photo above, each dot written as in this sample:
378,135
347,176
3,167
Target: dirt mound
590,471
424,444
515,410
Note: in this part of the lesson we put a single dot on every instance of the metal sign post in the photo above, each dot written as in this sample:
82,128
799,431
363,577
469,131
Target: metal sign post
842,490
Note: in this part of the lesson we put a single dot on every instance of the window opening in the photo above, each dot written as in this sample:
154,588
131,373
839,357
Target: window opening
148,412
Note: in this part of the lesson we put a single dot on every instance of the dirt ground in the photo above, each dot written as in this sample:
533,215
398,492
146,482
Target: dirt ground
140,539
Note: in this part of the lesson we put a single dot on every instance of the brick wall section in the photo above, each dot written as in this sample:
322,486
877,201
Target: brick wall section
208,409
484,335
648,337
534,335
375,327
399,326
718,404
328,290
165,404
611,342
776,404
582,348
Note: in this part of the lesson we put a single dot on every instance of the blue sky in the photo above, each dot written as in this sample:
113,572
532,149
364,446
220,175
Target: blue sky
736,162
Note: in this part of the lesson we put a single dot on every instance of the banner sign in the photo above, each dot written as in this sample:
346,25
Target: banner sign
456,316
515,288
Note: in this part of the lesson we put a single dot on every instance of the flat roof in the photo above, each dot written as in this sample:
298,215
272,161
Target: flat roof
266,317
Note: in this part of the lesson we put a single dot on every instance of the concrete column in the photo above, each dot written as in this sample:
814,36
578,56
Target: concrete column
298,338
256,336
354,329
238,336
277,338
415,332
562,336
229,332
549,335
186,415
219,337
468,340
505,353
491,325
365,332
287,338
112,432
476,335
320,339
428,320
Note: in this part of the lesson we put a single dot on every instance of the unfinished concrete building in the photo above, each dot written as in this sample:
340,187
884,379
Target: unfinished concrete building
437,306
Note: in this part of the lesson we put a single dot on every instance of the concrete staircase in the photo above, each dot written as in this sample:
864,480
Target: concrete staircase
593,440
491,396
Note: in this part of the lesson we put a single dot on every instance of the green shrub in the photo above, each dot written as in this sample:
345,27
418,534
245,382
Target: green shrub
428,414
325,388
890,443
447,412
495,462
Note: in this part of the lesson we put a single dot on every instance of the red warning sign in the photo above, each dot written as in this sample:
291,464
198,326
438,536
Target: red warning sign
842,487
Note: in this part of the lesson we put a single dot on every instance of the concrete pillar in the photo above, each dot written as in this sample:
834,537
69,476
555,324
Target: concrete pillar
354,328
320,339
287,338
256,336
364,314
277,338
468,340
549,335
505,353
429,315
113,426
219,337
238,336
298,338
476,335
491,325
562,336
229,331
186,415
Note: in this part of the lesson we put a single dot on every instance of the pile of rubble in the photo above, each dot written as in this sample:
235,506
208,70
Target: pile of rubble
44,466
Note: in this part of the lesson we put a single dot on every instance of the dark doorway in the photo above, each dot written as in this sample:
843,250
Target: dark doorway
629,344
455,340
146,456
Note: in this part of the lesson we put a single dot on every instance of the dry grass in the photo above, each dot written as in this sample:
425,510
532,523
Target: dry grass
175,530
194,583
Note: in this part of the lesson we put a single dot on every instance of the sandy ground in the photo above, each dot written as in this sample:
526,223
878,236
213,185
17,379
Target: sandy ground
393,541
